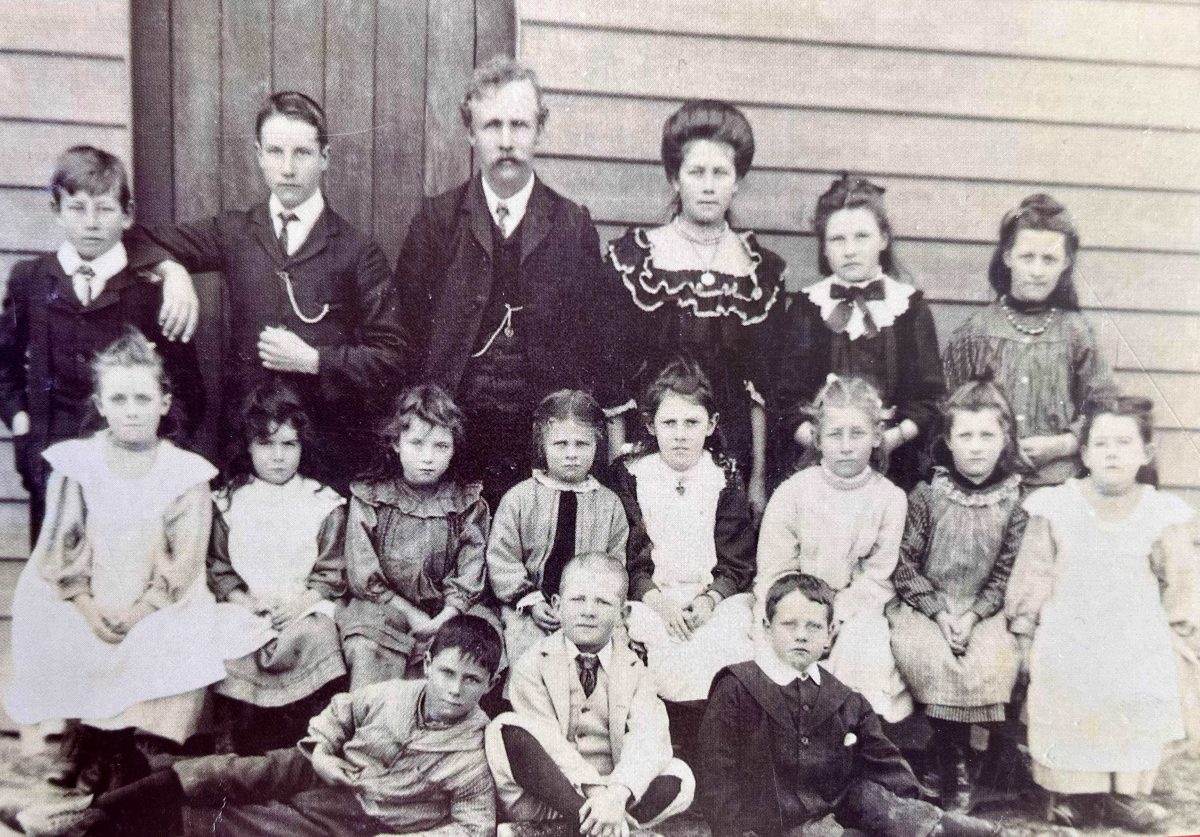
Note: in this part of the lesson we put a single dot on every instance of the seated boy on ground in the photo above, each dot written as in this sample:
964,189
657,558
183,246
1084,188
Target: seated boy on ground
784,744
587,740
401,756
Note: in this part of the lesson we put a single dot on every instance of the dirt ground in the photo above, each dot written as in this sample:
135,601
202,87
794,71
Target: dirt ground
1178,790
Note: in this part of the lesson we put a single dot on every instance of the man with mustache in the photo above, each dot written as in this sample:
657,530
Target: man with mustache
494,277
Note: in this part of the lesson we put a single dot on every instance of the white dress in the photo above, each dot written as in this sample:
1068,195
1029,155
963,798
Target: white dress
680,526
121,540
847,533
1103,684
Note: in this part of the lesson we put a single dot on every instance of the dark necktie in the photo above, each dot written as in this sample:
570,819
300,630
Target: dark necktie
563,548
502,219
285,218
81,282
588,664
848,296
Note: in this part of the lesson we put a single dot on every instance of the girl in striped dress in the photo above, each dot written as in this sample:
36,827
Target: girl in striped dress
961,537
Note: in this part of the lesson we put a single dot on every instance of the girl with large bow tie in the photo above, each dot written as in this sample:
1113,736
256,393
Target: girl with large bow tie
859,320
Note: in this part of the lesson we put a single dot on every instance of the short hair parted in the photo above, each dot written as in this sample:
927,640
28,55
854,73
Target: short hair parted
472,637
978,395
269,406
93,171
707,119
1038,212
295,105
596,562
809,586
494,74
853,193
568,405
128,351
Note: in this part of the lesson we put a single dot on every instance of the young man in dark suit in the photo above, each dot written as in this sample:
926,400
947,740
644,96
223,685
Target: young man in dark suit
310,297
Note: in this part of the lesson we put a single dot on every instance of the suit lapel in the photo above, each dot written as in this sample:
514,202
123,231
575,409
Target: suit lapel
264,231
318,236
768,694
832,695
536,223
622,681
559,668
476,208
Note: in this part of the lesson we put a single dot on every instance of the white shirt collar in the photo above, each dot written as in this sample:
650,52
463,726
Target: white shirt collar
883,311
307,214
107,265
604,654
516,204
780,672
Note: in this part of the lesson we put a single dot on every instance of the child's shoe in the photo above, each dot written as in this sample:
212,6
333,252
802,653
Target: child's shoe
1131,813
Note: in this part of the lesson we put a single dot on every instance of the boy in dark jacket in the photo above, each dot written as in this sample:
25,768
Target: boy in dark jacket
61,308
784,744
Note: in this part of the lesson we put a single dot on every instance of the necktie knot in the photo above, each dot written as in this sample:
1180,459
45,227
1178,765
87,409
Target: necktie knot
588,664
502,214
81,282
285,218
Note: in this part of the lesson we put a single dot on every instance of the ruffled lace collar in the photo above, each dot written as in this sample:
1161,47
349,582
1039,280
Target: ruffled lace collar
884,311
995,489
748,298
449,498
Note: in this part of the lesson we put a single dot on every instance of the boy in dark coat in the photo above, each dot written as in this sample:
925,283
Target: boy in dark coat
784,744
61,308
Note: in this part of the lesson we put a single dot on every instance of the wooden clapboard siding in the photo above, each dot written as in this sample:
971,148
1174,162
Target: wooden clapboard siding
960,108
64,80
389,74
1077,29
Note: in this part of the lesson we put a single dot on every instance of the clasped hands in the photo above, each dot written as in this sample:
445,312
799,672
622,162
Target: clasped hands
957,629
681,621
111,625
281,611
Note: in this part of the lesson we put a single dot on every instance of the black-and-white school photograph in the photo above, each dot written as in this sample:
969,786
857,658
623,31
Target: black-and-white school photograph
599,418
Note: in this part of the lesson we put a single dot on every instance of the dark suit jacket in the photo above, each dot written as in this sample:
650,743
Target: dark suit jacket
360,341
444,276
40,304
761,772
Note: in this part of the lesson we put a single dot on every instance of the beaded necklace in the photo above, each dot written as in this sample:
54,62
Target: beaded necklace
707,277
1031,331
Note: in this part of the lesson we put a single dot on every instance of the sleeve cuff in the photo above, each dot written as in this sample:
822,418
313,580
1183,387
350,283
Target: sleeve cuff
70,588
1021,625
529,600
640,586
755,395
156,598
930,605
723,587
620,409
985,609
